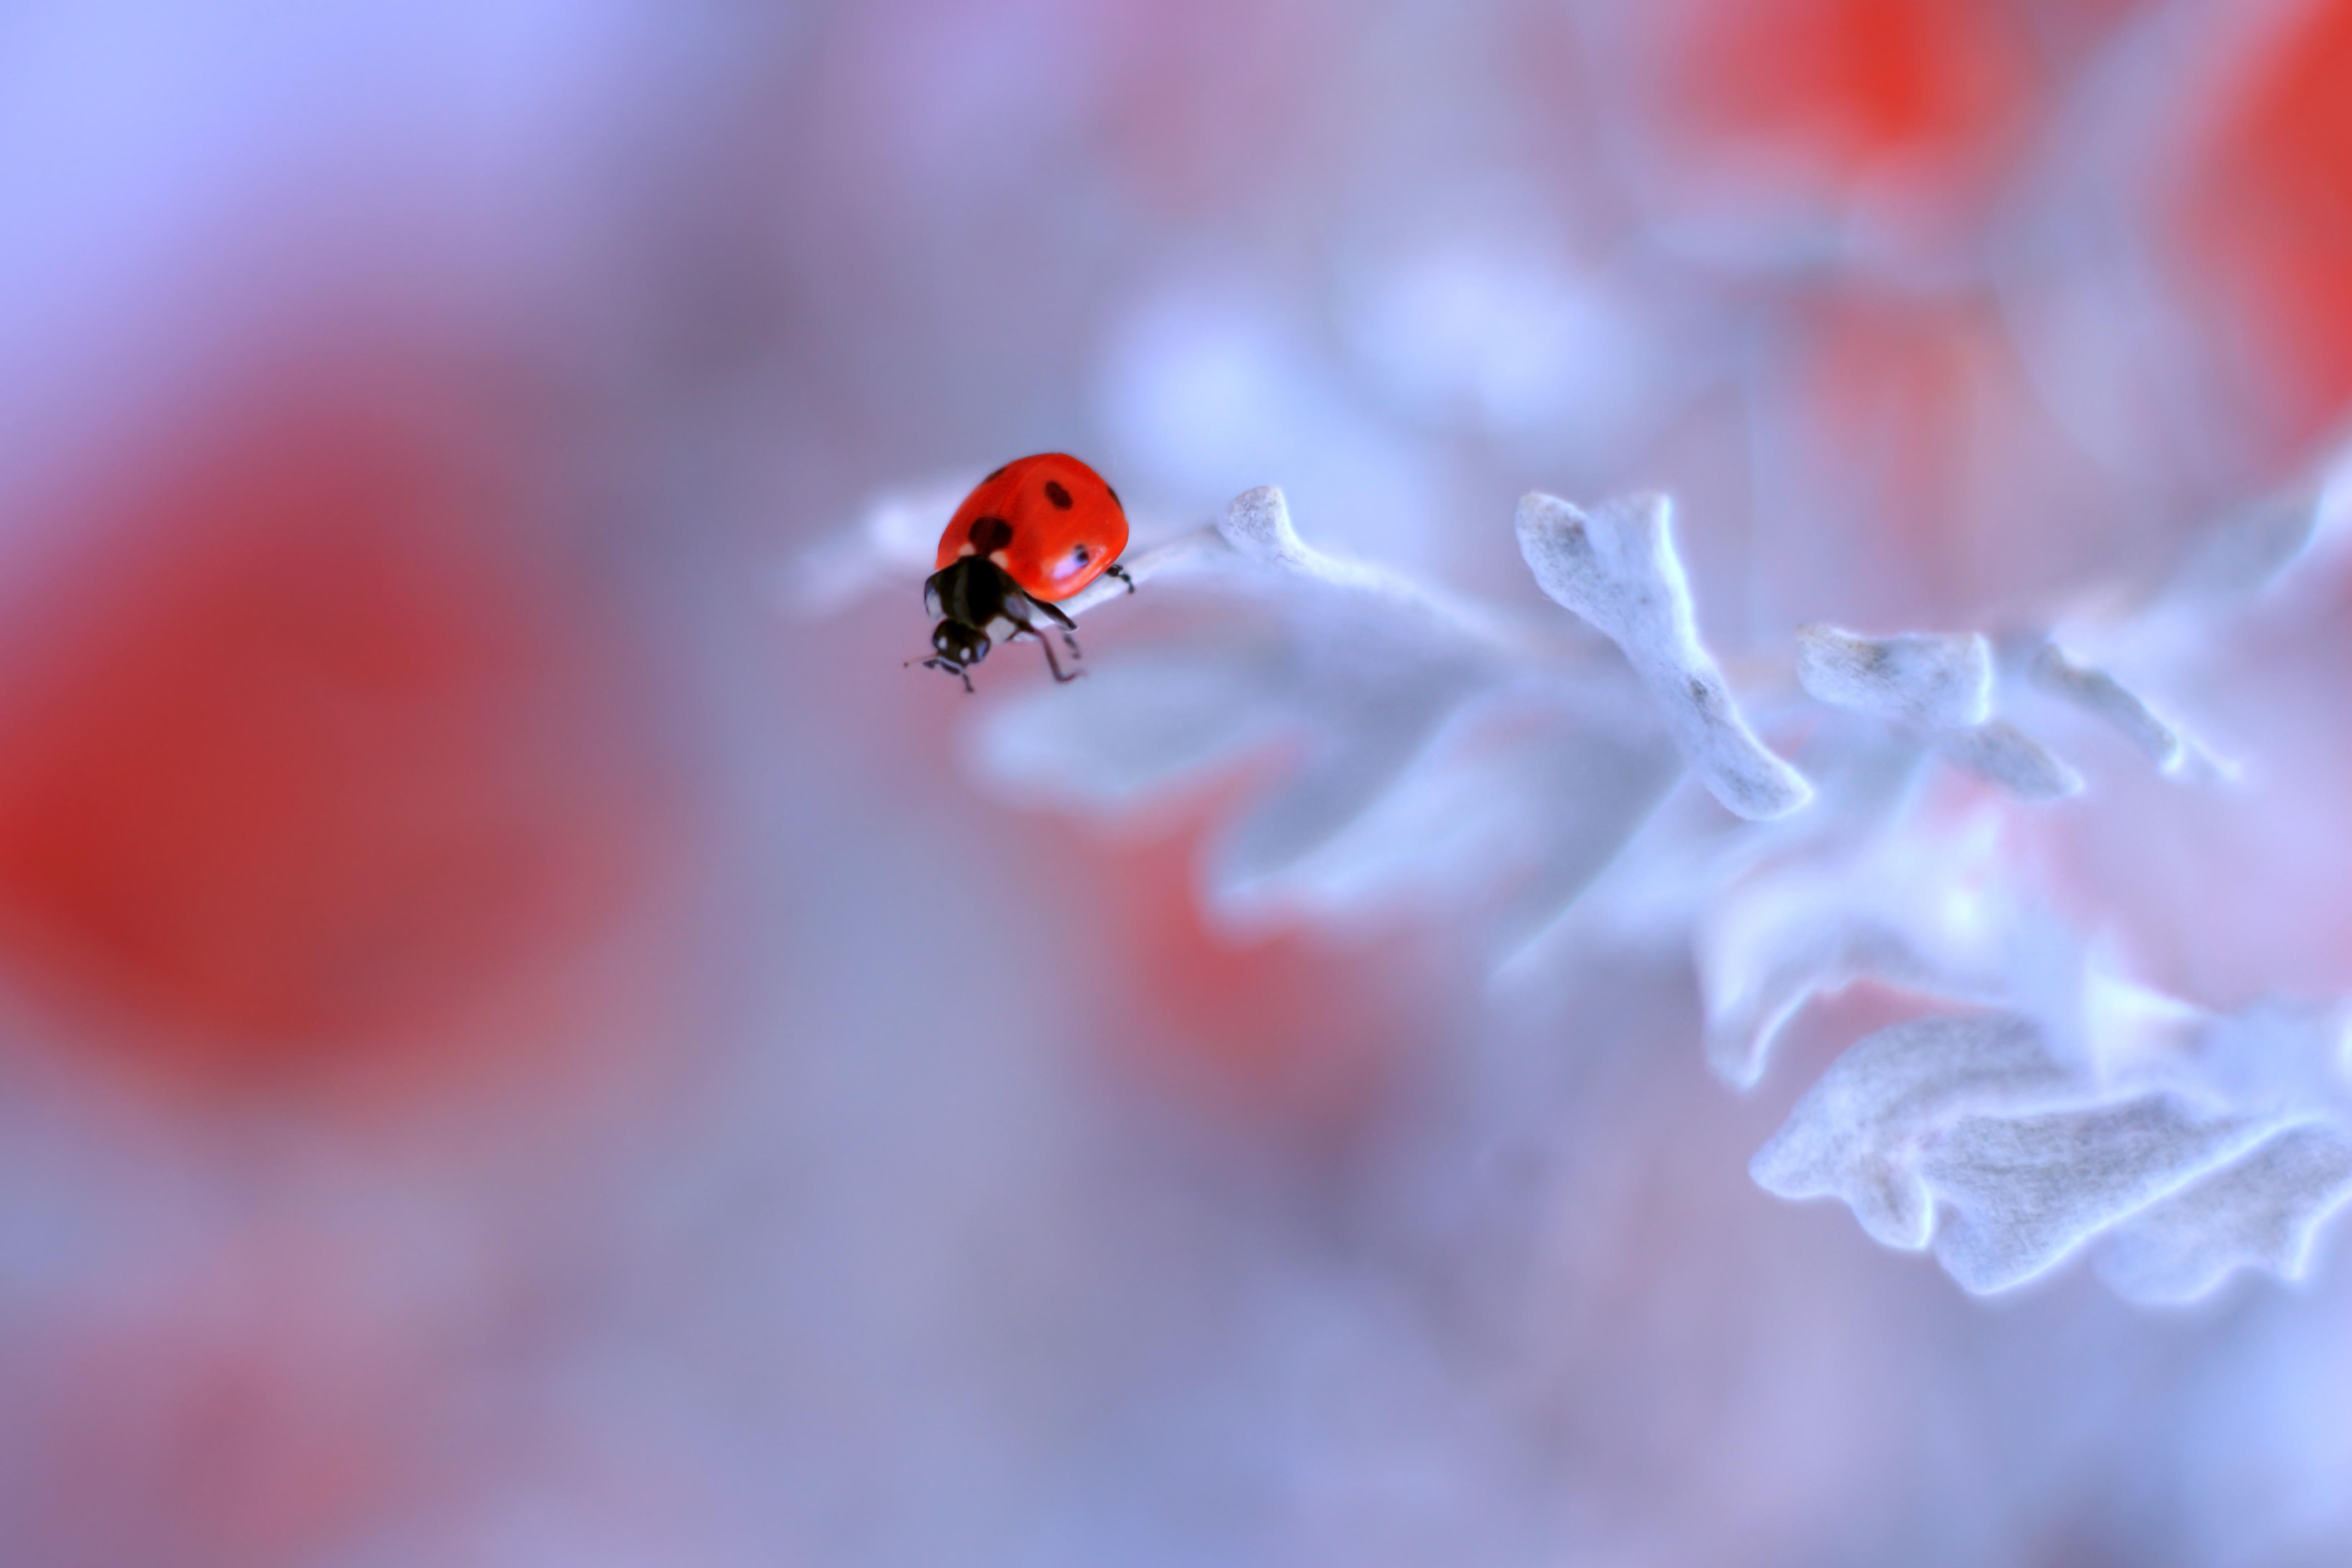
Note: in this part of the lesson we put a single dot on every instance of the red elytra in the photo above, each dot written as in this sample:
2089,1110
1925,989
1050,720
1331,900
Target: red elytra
1067,525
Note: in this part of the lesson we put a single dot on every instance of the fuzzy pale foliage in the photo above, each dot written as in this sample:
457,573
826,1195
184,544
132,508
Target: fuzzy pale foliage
1528,781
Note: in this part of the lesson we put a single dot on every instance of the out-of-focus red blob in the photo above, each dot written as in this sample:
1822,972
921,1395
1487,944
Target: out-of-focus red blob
2266,222
1850,81
1277,1029
1875,406
1211,99
1910,477
1780,107
244,1413
310,742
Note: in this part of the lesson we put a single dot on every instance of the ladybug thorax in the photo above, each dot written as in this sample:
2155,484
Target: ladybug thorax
971,592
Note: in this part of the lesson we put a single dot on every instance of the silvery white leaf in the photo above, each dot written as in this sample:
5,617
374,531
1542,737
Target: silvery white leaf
1672,873
2261,1212
1858,1134
2101,694
1943,684
2029,1189
1616,567
1935,681
1774,943
1869,893
1358,741
1601,784
1143,723
1357,669
1257,527
2002,752
1441,758
1752,996
1497,823
1257,524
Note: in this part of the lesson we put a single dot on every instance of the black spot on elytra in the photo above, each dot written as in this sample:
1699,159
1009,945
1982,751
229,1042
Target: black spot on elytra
989,534
1114,500
1058,495
996,476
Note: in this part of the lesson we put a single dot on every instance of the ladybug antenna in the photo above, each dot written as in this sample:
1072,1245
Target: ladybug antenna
950,666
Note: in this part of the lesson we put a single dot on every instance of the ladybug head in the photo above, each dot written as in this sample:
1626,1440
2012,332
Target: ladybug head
972,592
959,642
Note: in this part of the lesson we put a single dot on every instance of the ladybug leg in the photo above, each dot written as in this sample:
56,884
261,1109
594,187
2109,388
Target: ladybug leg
1069,627
953,668
1051,662
1120,571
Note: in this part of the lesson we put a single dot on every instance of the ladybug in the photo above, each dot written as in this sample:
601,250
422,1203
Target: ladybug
1035,531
